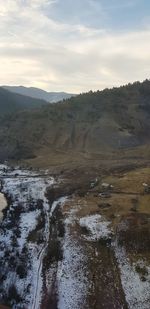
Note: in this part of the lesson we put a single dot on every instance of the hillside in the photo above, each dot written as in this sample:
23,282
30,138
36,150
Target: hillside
92,123
76,230
37,93
13,102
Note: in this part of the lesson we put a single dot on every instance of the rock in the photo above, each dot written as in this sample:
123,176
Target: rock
105,195
104,205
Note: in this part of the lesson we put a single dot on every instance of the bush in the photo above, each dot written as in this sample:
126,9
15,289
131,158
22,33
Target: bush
21,271
13,295
54,252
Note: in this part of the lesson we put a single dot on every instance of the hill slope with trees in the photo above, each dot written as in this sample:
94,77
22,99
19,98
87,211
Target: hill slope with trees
107,120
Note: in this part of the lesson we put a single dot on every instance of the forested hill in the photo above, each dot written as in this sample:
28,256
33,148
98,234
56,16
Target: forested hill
13,102
89,123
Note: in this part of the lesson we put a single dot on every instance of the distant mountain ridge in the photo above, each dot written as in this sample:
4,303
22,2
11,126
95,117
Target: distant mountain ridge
14,102
51,97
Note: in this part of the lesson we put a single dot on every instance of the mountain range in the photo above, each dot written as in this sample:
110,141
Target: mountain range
13,102
51,97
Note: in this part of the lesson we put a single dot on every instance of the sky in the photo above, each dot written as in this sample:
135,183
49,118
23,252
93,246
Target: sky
74,45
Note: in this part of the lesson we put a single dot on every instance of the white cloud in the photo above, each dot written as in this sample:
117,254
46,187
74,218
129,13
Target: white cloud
8,7
36,50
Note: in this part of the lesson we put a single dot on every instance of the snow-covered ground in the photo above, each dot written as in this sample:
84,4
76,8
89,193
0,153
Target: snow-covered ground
28,204
136,290
38,286
97,227
71,275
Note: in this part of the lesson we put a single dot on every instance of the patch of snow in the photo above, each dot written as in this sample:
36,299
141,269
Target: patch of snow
71,218
137,292
97,227
71,276
3,168
145,184
60,201
28,223
3,204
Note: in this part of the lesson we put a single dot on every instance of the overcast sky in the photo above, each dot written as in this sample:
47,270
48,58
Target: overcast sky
74,45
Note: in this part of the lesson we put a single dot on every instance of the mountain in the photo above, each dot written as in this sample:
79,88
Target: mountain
37,93
93,123
13,102
85,219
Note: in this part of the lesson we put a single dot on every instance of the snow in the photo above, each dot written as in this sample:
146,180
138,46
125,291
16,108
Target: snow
2,168
97,227
71,275
3,204
137,292
60,201
28,223
38,269
72,281
26,191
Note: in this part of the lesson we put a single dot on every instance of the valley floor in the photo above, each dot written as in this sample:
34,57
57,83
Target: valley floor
75,241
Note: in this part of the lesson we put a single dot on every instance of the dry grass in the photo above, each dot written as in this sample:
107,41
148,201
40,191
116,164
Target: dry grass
144,204
128,191
131,181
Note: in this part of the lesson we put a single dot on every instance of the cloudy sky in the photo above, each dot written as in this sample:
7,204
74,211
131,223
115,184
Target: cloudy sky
74,45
